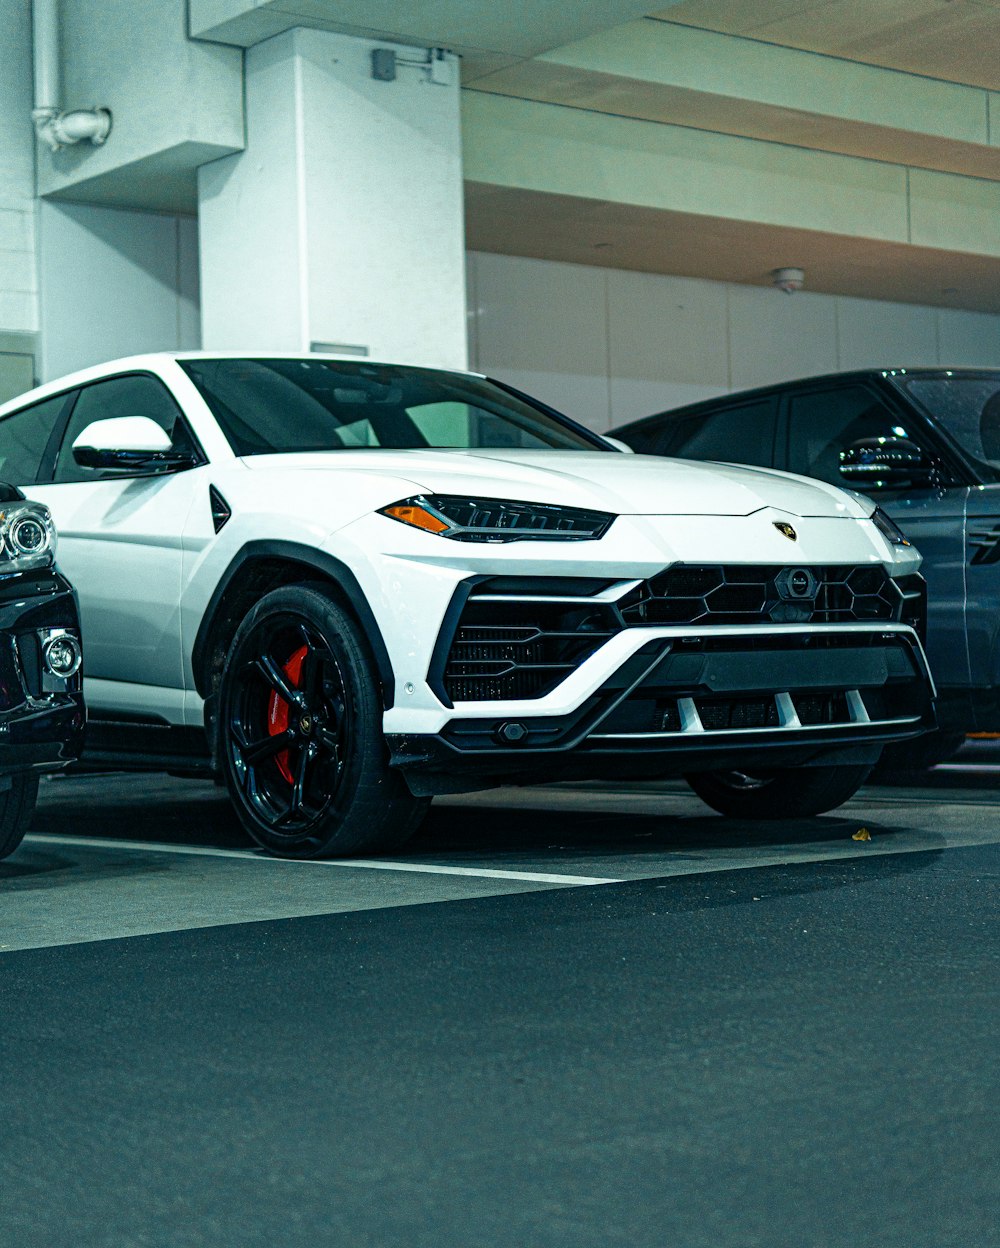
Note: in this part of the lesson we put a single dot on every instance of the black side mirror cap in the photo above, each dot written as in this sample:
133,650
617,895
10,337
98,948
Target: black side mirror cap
884,463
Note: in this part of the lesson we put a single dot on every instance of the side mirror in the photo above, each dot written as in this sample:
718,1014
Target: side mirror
134,442
886,463
618,444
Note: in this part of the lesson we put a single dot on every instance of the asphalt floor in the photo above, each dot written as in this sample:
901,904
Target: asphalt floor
574,1016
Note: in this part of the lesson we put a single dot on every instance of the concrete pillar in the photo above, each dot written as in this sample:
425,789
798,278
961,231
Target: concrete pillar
342,222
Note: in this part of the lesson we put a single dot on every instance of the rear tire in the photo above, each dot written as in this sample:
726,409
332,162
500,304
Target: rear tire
300,733
919,755
17,805
791,793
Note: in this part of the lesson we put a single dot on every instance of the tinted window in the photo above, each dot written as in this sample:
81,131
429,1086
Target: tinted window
122,396
824,423
969,407
23,439
742,434
268,406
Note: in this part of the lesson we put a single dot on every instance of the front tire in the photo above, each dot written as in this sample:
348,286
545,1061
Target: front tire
17,805
790,793
300,733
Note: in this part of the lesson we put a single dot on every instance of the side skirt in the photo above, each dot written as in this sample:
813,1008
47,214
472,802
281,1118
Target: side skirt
139,743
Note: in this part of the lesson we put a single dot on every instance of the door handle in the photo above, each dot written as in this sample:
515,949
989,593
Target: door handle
987,545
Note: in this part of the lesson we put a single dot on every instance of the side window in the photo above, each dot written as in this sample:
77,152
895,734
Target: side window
24,435
740,434
824,423
137,395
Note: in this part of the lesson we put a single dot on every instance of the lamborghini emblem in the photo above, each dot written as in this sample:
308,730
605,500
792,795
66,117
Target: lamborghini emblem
785,529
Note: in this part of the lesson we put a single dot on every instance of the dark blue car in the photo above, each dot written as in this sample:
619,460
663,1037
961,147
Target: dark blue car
926,443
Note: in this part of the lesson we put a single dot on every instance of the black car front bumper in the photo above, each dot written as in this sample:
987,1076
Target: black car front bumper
42,715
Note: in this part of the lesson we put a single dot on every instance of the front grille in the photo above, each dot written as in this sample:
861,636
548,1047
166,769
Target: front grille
519,637
758,594
516,649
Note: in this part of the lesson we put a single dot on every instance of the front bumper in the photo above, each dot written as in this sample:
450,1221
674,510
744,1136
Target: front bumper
754,697
42,716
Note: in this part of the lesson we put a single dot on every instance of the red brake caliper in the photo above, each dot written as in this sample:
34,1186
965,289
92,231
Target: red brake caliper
278,710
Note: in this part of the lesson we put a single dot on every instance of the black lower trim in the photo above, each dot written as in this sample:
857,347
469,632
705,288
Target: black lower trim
431,767
886,668
126,745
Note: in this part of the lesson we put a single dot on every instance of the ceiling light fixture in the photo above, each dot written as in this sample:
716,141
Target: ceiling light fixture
788,280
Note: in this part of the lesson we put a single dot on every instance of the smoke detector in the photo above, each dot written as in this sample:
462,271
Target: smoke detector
788,280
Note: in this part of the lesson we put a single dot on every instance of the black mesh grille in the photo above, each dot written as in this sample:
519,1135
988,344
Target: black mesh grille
748,594
507,646
516,649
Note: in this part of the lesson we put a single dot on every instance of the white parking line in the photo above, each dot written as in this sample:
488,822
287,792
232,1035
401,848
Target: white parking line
368,864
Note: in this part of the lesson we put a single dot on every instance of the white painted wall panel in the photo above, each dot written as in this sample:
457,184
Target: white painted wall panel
667,342
188,285
111,285
968,337
874,334
773,336
542,326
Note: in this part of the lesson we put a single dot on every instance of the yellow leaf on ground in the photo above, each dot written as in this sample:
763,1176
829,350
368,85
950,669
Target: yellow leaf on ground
862,834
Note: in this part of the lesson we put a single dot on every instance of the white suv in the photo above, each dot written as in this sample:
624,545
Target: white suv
349,586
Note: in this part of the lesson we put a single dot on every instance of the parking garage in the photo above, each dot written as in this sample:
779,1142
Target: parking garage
593,1011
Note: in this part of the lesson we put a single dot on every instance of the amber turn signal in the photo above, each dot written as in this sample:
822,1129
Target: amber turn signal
419,517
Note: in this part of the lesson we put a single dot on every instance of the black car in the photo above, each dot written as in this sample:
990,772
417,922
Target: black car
924,442
41,687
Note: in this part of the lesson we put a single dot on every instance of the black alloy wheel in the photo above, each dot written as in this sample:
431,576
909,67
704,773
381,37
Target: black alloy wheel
789,793
300,735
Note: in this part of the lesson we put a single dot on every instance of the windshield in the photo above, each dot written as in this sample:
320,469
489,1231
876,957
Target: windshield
267,406
968,406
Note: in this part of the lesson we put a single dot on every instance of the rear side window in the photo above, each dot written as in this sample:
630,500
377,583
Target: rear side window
738,434
24,435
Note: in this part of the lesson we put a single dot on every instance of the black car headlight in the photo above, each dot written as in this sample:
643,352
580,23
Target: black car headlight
27,537
889,529
498,519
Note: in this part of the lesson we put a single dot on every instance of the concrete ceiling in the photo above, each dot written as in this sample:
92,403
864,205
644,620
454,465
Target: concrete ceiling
486,35
512,221
679,75
958,40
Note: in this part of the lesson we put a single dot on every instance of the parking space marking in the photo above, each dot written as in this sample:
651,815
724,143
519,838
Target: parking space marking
366,864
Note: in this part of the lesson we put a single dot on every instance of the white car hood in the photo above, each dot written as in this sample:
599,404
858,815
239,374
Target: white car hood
625,484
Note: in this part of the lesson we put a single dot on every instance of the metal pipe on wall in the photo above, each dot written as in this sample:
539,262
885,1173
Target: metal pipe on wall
52,125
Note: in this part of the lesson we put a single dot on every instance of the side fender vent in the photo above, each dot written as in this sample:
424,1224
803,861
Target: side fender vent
221,511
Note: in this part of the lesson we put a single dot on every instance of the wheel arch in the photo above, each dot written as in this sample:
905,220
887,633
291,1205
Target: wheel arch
255,570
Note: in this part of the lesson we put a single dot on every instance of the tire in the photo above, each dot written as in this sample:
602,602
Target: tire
792,793
300,733
919,755
17,806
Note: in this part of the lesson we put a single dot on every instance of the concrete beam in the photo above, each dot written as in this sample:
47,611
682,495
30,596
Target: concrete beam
661,71
175,103
515,222
566,151
565,184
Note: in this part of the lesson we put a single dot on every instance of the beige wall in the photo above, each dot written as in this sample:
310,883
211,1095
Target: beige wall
608,346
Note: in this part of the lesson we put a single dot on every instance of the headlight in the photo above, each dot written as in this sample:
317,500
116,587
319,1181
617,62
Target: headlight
498,519
889,529
27,537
